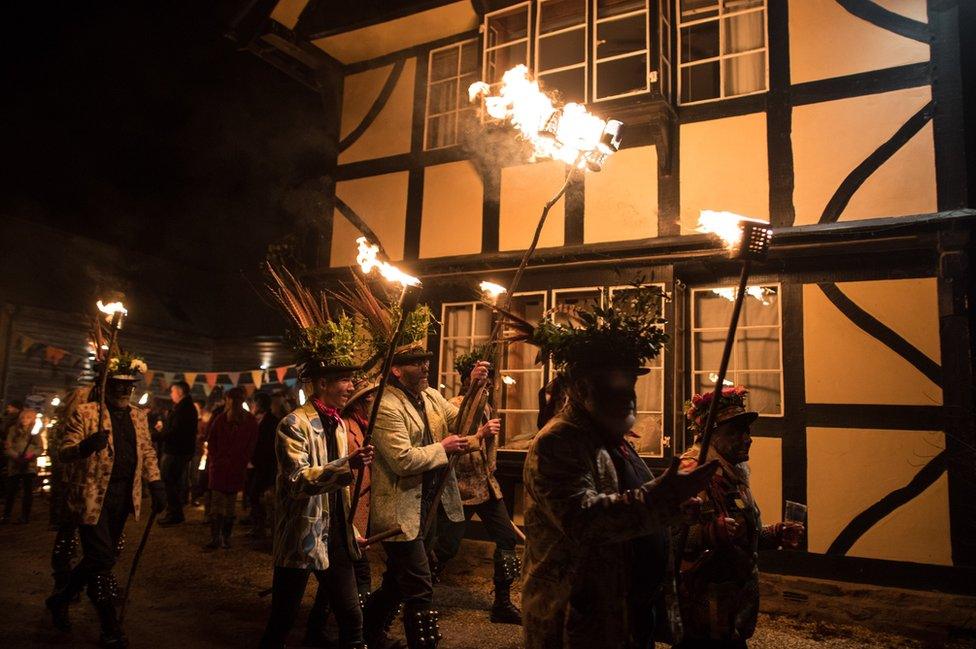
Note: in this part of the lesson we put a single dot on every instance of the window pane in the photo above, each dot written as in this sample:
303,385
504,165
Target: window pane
508,27
757,349
561,50
443,64
559,14
442,97
701,383
708,350
698,9
441,131
699,42
605,8
649,390
763,311
621,36
745,32
571,84
504,59
699,82
745,74
648,429
523,394
457,321
622,76
711,310
580,299
518,429
764,395
482,322
469,58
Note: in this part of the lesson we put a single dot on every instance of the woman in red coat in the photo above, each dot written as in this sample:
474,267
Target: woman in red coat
233,434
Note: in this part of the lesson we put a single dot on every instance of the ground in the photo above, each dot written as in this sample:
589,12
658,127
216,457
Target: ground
185,597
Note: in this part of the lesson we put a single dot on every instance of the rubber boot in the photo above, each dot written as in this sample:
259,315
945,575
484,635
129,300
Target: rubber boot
216,522
227,527
103,591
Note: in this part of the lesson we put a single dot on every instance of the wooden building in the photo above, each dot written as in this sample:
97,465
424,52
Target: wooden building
840,121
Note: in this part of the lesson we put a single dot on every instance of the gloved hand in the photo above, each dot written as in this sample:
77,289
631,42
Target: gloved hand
157,490
93,443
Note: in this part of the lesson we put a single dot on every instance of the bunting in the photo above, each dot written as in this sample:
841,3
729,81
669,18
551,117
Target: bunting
210,378
235,377
250,389
280,373
207,389
256,376
190,378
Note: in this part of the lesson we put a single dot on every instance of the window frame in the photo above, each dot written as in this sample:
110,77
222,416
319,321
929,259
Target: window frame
646,51
442,371
461,92
693,329
528,40
720,18
585,26
543,368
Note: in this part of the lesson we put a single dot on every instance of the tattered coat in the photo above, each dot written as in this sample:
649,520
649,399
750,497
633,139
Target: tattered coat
578,526
476,470
306,475
88,484
355,434
402,460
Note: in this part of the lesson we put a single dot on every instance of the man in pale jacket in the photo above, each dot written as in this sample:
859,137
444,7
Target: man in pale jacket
312,498
413,438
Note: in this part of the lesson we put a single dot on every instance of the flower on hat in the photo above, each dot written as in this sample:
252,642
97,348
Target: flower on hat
696,408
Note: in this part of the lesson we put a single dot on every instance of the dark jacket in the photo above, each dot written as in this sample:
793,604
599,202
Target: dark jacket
180,432
265,467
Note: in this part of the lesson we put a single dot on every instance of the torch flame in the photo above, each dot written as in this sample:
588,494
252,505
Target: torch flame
492,290
568,133
111,308
758,292
724,224
38,424
367,261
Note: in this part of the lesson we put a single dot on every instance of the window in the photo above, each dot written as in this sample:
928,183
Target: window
465,325
756,360
450,70
722,49
521,379
587,50
620,49
506,41
561,47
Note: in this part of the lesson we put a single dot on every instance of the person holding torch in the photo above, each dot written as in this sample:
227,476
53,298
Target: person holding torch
114,457
718,585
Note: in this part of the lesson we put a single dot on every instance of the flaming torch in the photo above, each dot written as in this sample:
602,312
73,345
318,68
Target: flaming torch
114,312
747,241
409,294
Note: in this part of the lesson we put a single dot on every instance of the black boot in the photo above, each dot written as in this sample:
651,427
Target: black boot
58,602
103,591
226,528
436,567
317,617
215,526
507,568
420,624
379,613
65,549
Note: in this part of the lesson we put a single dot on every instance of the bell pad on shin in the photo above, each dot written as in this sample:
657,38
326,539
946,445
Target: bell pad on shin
422,628
102,587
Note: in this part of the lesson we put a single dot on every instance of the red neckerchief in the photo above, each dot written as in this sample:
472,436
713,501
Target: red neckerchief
328,411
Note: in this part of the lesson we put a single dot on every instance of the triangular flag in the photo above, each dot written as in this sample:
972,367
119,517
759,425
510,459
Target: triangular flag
207,389
168,378
211,378
280,372
191,377
249,389
53,355
256,376
25,343
235,377
148,377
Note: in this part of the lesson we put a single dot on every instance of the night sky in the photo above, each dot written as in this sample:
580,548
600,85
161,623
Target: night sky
140,124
